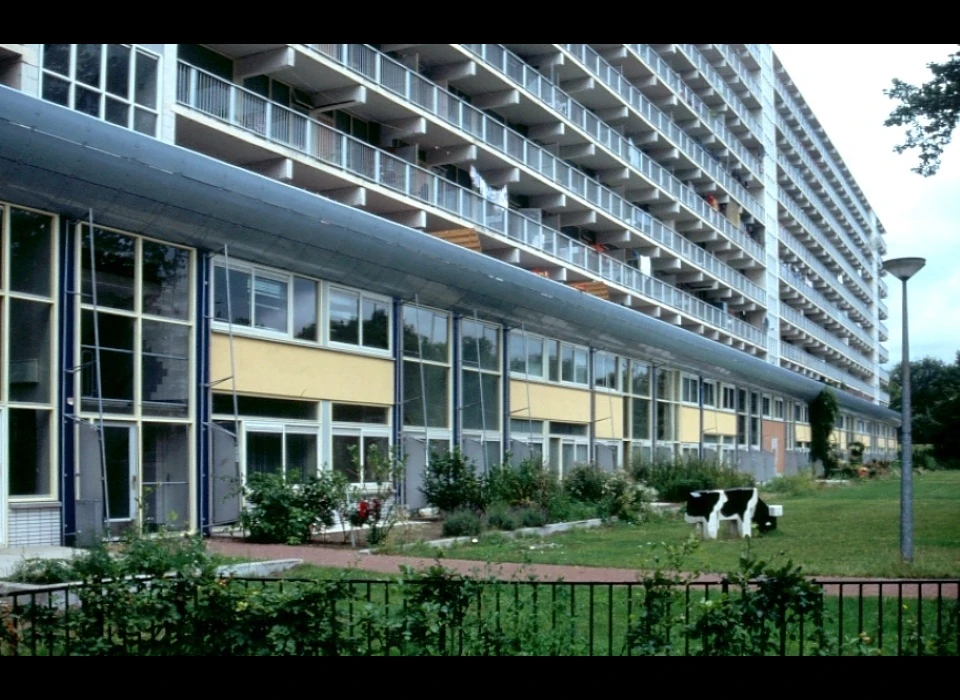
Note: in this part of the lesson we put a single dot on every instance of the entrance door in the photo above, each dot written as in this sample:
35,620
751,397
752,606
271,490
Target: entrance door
120,452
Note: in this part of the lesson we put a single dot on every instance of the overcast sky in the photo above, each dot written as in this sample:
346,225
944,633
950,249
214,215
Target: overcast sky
843,84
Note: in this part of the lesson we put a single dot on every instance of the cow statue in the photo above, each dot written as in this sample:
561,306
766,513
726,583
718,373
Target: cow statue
741,506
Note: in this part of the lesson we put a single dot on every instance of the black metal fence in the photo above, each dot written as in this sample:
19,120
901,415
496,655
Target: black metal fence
446,615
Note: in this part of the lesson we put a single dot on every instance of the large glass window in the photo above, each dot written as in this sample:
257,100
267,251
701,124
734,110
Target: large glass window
605,372
117,83
284,449
426,368
28,313
480,357
359,319
358,431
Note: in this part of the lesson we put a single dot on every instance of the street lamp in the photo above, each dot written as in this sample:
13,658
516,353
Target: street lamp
903,269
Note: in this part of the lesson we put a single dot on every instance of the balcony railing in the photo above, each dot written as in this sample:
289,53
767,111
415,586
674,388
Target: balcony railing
882,329
802,218
884,312
731,57
720,85
546,92
254,114
799,283
884,375
815,200
884,290
475,124
821,146
814,363
653,61
814,263
792,316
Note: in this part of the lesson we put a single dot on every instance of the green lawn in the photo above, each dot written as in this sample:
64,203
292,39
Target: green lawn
841,530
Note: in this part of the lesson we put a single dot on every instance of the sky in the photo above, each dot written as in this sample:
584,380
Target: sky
843,84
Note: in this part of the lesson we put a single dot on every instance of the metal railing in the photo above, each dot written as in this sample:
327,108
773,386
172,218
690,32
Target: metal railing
884,375
884,311
222,100
450,615
655,62
815,264
802,218
882,287
735,62
883,330
794,317
717,82
547,93
820,299
411,86
816,200
826,152
814,363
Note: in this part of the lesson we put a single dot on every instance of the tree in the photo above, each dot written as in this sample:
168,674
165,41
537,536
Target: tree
935,404
930,113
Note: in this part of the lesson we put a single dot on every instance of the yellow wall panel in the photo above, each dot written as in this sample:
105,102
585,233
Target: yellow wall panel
609,416
803,433
689,422
549,402
291,371
719,423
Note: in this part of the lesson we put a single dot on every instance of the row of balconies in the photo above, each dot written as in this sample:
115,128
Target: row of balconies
808,229
481,129
742,74
837,203
791,180
544,92
509,235
814,335
793,250
854,198
807,363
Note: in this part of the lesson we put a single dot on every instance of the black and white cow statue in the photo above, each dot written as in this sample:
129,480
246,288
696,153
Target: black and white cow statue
742,506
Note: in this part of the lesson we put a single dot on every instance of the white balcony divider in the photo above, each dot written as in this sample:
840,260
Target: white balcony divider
660,67
720,85
794,317
855,198
815,264
408,84
814,363
224,101
802,218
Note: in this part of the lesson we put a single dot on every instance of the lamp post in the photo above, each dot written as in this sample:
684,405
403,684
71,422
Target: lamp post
903,269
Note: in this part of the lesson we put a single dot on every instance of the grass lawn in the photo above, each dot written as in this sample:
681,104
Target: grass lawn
849,530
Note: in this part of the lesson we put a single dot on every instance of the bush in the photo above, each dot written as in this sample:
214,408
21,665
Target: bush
532,517
44,572
796,485
675,480
528,484
586,484
623,498
450,483
501,517
282,511
462,523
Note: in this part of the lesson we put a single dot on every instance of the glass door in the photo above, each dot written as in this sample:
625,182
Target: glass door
120,453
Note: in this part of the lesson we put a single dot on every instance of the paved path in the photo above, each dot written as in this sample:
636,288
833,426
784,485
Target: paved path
339,558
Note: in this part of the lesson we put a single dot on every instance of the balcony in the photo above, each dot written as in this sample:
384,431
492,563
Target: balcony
883,332
545,92
797,359
813,231
743,74
616,81
882,310
884,376
852,198
475,125
524,240
832,345
793,248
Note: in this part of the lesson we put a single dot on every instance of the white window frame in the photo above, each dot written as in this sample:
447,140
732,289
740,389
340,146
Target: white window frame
725,391
282,428
766,406
687,381
604,356
364,431
129,99
712,403
329,289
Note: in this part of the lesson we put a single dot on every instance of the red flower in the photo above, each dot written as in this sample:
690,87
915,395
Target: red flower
362,509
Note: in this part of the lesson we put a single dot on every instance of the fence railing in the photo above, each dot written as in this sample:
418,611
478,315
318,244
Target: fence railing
441,614
222,100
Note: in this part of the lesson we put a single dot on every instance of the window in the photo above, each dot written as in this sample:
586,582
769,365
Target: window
356,318
766,406
426,368
360,435
480,359
118,83
709,393
535,357
605,373
778,409
689,387
729,397
287,449
272,302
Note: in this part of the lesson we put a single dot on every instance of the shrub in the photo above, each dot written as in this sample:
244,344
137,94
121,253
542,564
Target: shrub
44,571
622,499
501,517
923,458
462,523
450,483
283,511
532,517
529,483
586,484
796,485
675,480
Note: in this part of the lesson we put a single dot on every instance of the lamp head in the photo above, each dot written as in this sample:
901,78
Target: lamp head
904,268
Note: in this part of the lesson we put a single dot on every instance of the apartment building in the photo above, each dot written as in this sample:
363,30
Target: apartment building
224,259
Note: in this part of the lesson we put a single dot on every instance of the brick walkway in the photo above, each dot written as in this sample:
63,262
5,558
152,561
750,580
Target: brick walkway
339,558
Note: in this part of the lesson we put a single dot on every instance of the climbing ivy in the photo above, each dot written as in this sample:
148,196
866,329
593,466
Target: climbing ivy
824,412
